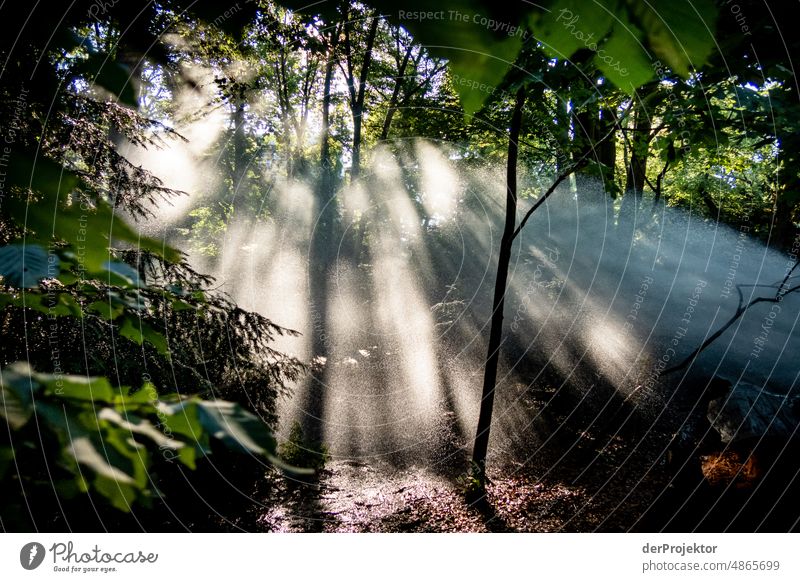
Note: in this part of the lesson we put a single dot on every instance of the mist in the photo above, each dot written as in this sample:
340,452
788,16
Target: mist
395,310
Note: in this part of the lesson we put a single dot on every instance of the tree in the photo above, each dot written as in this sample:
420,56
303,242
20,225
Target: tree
113,325
666,32
356,71
412,73
495,332
291,53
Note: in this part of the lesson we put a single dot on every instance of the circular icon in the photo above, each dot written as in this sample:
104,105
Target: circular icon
31,555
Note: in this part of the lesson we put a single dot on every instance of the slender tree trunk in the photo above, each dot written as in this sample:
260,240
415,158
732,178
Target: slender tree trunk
355,170
387,121
358,106
287,147
659,183
239,148
607,149
325,162
495,333
585,131
783,229
636,172
640,144
326,188
394,99
325,146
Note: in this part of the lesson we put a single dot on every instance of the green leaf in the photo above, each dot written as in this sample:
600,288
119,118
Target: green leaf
15,399
82,388
120,495
140,426
242,431
138,331
106,309
89,228
85,452
629,40
64,305
67,278
155,339
182,419
131,330
24,265
571,25
622,59
180,305
126,453
680,32
112,75
601,27
479,70
34,172
67,305
147,394
233,425
481,45
29,300
188,456
121,274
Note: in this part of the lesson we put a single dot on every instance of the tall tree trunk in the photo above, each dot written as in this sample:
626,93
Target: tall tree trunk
287,148
640,144
783,228
325,191
325,162
355,170
561,134
636,171
325,146
393,100
585,131
322,249
358,106
239,147
501,282
607,149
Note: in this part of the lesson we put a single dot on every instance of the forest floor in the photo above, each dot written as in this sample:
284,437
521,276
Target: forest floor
378,497
611,481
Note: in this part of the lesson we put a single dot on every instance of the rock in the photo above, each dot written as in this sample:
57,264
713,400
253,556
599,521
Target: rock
750,412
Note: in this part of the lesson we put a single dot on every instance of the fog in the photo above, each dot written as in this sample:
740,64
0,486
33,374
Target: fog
393,302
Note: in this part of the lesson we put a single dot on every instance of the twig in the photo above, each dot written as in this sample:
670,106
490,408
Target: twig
584,159
739,312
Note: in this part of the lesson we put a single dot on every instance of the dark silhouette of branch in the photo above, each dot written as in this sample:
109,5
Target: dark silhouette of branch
782,291
582,161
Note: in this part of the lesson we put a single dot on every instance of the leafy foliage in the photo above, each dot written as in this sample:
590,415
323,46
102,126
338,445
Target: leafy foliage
299,451
111,441
632,87
24,266
85,297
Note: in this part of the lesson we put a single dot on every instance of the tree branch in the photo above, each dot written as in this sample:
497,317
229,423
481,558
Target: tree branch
740,310
584,159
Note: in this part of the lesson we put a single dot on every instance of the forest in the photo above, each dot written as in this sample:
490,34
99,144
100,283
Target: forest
399,266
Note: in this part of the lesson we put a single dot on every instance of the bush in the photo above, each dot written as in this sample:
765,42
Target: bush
75,435
301,452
